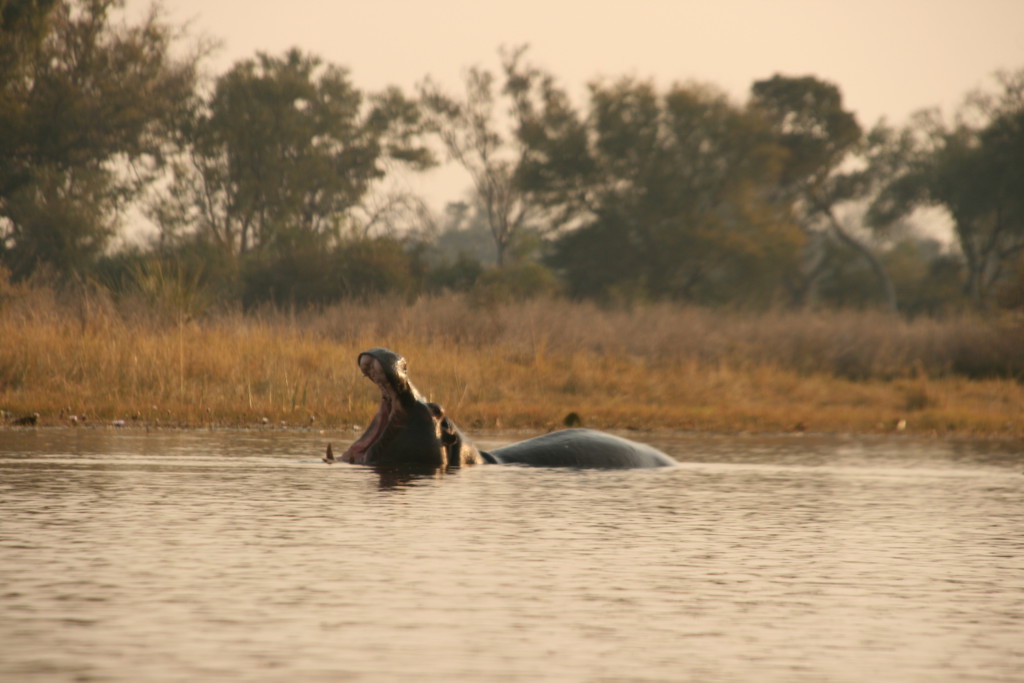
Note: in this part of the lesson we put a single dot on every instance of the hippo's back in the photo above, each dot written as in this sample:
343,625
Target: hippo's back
583,448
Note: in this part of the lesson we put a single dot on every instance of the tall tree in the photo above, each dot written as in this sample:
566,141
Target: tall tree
282,152
656,195
471,131
85,104
974,168
819,136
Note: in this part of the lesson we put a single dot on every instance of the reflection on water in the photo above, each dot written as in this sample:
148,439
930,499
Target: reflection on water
239,555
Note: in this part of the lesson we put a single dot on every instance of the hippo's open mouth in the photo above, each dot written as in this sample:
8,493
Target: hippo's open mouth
372,368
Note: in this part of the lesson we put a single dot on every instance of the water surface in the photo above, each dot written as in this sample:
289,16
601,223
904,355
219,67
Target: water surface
128,556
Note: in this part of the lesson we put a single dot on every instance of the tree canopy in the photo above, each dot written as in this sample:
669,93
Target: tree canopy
274,179
820,138
470,132
974,168
657,194
281,152
85,109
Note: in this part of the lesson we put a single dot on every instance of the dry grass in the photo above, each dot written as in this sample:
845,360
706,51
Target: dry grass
513,366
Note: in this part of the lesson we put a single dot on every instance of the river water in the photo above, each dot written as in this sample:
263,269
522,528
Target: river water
187,556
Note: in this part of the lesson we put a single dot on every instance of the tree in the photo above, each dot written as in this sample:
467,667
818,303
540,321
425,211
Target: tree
282,152
974,168
469,131
820,138
85,107
357,268
656,195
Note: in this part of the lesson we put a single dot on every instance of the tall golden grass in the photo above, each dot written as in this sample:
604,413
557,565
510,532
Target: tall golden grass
511,365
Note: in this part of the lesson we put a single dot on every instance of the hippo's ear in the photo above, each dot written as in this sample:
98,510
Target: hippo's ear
449,434
446,425
451,440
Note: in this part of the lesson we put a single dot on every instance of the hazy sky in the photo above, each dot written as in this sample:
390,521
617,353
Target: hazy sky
889,57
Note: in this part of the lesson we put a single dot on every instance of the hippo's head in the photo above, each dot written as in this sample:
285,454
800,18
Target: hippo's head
407,430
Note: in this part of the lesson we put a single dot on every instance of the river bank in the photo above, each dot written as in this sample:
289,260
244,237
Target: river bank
514,366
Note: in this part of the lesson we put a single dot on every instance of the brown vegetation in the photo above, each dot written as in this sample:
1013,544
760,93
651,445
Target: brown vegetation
512,365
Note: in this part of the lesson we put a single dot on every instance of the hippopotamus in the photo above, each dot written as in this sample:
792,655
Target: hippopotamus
409,431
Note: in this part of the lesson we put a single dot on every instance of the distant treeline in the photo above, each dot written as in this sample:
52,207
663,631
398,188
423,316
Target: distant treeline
269,184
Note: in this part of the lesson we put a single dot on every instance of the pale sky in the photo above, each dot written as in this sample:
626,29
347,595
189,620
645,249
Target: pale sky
888,57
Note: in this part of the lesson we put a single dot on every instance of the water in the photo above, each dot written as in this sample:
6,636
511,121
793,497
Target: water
240,556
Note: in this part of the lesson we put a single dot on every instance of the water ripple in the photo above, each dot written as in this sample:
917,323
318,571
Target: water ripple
205,556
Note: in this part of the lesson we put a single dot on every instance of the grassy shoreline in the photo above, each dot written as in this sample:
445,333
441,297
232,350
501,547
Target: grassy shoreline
514,366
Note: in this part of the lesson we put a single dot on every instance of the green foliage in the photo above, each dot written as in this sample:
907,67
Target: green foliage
58,219
170,285
820,137
1010,294
282,152
469,129
24,24
516,282
817,133
316,277
927,276
84,106
270,182
974,168
459,275
668,195
171,289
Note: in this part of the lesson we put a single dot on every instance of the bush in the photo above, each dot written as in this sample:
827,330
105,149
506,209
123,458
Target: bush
314,277
519,282
459,276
